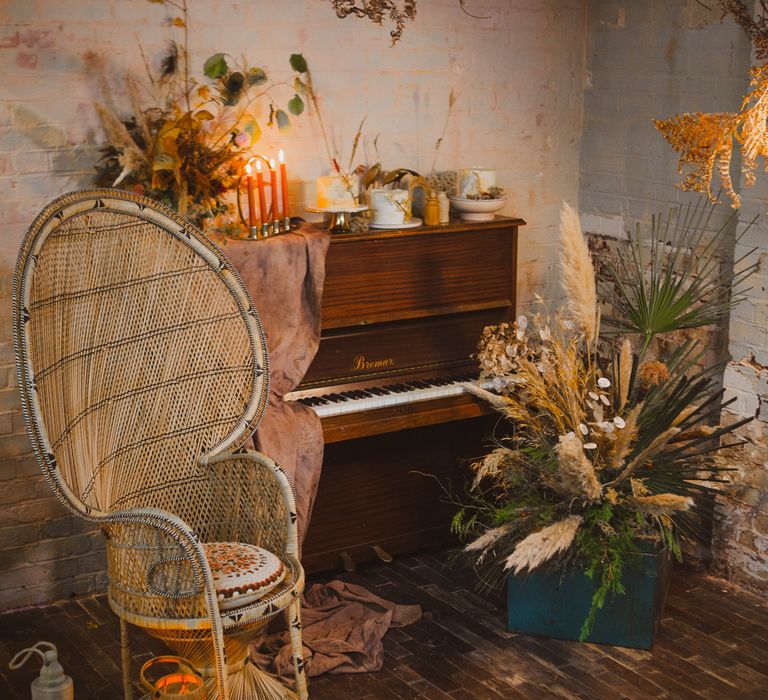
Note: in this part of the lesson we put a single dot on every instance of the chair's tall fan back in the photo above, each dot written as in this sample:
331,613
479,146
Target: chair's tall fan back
139,350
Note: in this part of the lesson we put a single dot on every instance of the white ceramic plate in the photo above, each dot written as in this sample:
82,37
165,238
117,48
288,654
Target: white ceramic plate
413,223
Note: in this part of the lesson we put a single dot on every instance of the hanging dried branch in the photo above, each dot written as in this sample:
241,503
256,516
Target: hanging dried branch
705,141
756,29
399,12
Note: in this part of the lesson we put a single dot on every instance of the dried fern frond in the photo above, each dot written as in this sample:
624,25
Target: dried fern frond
578,274
399,12
705,140
541,546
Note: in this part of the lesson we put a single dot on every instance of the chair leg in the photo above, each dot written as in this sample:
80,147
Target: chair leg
125,658
294,625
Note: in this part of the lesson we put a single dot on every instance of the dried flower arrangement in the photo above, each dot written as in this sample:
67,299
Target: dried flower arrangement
705,141
188,147
607,444
399,12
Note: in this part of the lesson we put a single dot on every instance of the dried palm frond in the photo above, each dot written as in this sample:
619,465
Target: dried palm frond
578,274
576,475
541,546
660,504
498,402
674,279
645,454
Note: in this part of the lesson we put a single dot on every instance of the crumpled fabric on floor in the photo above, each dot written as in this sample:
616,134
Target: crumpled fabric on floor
343,630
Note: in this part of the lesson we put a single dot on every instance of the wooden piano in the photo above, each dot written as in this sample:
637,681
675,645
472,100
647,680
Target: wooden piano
402,313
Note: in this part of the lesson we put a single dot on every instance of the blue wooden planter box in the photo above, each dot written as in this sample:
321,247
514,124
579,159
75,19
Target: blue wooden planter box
554,605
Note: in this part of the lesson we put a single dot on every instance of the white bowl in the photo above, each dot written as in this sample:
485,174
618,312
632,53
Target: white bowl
477,209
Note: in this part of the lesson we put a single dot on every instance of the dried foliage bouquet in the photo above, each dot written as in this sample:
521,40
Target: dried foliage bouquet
606,444
188,139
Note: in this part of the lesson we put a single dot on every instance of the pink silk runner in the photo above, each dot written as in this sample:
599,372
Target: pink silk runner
343,624
285,277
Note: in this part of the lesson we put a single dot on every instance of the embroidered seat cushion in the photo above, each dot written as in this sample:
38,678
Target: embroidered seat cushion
242,573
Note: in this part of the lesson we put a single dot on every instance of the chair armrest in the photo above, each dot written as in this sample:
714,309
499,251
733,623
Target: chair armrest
180,532
252,460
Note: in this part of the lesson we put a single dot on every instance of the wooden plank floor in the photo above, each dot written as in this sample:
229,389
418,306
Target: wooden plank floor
713,645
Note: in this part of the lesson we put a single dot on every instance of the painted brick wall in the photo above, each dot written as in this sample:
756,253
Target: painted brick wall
655,58
519,80
741,544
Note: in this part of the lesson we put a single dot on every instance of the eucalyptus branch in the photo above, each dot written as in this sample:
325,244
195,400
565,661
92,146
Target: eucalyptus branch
310,88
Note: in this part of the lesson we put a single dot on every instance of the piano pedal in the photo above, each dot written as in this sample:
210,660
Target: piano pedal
349,564
381,554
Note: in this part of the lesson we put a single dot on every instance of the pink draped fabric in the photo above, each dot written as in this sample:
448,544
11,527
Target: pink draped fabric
285,277
344,624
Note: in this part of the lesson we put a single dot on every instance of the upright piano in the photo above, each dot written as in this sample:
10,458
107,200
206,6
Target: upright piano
402,313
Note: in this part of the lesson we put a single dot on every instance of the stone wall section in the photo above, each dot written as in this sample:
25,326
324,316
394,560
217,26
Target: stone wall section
653,59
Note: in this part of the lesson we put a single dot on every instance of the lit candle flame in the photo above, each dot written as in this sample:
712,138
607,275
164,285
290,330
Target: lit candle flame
281,156
258,165
271,163
248,168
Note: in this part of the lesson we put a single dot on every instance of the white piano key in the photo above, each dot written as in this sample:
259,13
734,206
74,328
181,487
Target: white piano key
394,398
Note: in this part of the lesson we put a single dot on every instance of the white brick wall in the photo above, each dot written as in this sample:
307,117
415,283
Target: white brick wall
518,77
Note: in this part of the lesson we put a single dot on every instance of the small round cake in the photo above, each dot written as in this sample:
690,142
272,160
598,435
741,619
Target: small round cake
390,207
474,181
334,193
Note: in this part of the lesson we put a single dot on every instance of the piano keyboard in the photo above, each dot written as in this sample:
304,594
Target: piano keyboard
370,398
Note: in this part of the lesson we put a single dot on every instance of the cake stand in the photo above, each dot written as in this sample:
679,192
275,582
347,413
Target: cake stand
340,218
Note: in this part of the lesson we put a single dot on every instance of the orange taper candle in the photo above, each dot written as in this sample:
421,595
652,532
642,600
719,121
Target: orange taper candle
262,198
273,186
251,199
283,182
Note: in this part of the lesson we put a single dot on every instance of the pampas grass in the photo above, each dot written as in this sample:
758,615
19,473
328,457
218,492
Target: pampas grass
624,438
492,464
489,538
541,546
660,504
578,274
576,474
131,158
625,372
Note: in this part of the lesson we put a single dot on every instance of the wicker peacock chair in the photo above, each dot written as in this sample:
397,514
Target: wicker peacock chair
143,370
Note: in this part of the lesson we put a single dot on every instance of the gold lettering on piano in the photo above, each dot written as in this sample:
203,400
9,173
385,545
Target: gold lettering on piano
360,363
